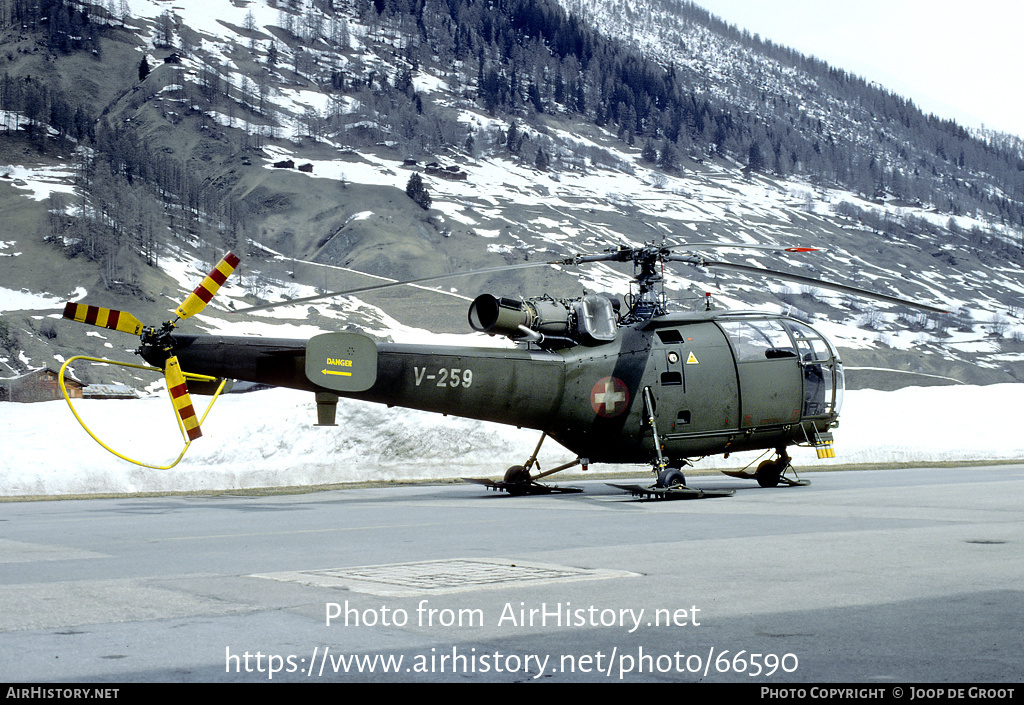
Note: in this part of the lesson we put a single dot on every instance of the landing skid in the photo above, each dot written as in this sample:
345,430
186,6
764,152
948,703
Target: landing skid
521,488
676,492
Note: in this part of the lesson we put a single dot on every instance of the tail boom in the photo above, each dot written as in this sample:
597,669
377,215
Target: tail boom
490,384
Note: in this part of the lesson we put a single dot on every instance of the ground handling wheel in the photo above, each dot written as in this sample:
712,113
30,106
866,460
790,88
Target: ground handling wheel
517,480
769,472
671,477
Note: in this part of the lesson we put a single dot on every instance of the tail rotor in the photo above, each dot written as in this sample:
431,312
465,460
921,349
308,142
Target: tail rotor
159,338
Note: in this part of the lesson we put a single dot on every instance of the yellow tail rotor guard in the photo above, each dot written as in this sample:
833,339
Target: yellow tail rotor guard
188,375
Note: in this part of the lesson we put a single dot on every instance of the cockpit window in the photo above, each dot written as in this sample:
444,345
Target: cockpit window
823,372
758,339
810,344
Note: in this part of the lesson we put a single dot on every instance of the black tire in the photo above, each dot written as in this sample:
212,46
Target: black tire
769,473
517,480
670,477
517,474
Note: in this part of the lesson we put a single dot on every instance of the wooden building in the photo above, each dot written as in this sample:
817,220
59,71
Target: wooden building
38,385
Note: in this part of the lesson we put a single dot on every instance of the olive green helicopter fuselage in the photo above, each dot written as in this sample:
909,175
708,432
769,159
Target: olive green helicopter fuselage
702,383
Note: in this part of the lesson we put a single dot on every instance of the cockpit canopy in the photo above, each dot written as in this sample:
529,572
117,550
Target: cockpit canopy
759,338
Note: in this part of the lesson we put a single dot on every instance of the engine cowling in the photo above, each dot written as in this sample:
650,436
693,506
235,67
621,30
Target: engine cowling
589,320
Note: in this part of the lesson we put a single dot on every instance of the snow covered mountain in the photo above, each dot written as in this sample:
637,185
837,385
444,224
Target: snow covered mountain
140,140
537,153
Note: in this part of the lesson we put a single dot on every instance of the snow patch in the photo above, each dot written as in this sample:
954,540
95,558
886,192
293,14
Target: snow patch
268,438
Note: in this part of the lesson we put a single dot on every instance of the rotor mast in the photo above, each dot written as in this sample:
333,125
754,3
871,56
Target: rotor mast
648,261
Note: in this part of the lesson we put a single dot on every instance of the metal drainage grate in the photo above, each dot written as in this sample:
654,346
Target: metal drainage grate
439,577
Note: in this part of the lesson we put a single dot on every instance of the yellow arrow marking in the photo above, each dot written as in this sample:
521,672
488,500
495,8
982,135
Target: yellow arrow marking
336,372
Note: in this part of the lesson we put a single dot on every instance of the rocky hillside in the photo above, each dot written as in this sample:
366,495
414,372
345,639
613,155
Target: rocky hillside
140,141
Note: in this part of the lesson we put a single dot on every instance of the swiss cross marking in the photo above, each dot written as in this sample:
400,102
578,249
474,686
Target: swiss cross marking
609,397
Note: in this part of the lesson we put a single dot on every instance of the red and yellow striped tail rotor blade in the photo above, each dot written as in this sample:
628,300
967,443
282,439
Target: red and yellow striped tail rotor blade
202,294
180,398
103,317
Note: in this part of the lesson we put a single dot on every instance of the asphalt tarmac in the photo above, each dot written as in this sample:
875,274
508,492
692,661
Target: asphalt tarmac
882,577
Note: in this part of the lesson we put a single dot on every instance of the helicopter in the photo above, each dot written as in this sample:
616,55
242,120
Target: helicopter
611,381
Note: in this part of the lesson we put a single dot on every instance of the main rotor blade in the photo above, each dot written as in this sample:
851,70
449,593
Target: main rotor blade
749,269
388,285
741,246
103,317
197,300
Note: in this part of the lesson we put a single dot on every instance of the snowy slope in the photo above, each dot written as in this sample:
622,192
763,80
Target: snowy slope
267,439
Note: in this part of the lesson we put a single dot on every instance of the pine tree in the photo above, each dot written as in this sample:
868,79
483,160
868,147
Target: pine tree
668,159
512,140
755,159
649,153
143,69
418,192
542,161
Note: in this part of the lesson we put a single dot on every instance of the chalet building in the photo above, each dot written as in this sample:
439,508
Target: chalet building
452,173
38,385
